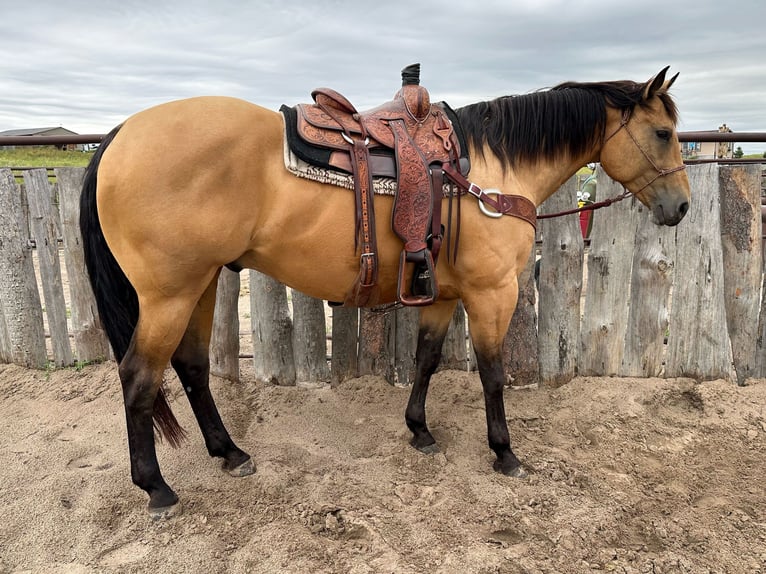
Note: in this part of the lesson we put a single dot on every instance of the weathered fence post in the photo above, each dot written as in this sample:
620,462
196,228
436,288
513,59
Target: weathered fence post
345,335
376,348
22,314
89,337
607,297
405,339
272,330
520,351
45,233
742,262
560,288
224,342
649,297
309,339
698,343
455,350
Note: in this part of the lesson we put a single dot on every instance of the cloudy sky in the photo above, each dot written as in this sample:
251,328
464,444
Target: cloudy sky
86,65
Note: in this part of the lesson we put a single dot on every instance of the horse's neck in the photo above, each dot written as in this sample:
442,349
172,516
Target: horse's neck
537,182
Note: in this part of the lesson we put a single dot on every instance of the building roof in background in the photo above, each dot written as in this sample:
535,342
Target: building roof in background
38,132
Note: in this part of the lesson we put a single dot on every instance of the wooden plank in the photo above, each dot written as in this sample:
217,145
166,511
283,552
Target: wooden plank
607,297
742,262
44,231
272,331
698,342
24,335
224,342
345,334
405,339
309,339
650,285
455,348
520,347
90,339
561,267
376,346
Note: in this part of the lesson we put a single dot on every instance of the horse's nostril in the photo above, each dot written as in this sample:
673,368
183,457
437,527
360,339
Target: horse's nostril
683,208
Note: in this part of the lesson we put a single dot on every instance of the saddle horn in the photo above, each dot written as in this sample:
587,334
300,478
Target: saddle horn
411,75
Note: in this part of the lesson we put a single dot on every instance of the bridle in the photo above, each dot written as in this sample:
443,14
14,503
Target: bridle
500,208
661,172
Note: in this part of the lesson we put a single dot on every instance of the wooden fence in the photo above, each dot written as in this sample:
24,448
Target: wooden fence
641,301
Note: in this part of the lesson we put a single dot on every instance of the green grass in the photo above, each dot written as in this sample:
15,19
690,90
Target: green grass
43,157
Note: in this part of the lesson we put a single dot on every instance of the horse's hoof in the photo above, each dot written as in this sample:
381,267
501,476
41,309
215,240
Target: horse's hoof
514,471
166,512
245,469
432,448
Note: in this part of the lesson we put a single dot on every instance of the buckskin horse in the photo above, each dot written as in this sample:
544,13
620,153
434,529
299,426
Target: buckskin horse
182,189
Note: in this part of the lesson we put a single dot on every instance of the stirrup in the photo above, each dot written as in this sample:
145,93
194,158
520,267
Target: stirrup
420,259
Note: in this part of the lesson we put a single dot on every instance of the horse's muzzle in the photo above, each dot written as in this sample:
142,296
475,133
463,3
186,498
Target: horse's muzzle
670,214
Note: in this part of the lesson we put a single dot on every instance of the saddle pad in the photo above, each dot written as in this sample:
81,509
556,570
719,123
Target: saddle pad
380,185
301,168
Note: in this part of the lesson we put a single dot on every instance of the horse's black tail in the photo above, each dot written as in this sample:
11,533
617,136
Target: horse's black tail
116,298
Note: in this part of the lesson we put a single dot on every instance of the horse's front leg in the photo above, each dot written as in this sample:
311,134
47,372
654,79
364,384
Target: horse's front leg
493,382
434,323
489,316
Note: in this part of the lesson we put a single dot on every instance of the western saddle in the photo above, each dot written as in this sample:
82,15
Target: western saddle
422,141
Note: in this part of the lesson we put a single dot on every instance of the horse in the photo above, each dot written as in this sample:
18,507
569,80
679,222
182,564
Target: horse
182,189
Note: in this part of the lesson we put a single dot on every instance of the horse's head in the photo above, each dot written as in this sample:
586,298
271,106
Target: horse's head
642,152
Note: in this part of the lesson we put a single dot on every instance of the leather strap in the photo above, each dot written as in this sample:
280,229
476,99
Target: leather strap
365,227
437,183
513,205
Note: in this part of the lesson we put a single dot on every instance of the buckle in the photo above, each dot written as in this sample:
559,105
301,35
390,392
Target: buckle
474,190
351,141
369,272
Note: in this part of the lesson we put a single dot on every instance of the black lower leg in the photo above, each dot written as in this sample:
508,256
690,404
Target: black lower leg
493,381
139,391
194,373
427,359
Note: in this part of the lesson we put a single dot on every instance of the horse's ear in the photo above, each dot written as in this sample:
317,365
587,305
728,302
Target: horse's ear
654,85
670,82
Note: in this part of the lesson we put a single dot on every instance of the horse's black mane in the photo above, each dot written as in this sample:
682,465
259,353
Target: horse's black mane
567,119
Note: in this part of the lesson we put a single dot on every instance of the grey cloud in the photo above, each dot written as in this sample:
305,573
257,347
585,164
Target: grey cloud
88,65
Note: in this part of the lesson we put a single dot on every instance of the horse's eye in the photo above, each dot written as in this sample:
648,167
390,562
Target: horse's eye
664,135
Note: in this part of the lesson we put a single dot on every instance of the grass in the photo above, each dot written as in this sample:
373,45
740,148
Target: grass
41,156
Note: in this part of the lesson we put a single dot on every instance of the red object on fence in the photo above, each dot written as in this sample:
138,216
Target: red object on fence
585,217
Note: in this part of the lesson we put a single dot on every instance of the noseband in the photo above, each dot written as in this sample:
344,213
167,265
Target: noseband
660,171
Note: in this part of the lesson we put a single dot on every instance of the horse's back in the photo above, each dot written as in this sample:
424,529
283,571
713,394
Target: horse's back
195,128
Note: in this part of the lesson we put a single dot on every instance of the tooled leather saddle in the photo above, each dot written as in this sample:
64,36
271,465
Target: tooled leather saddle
408,138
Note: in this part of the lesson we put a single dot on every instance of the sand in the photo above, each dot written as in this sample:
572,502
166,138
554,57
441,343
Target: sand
625,475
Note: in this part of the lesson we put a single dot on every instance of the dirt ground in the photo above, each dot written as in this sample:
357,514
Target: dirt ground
635,476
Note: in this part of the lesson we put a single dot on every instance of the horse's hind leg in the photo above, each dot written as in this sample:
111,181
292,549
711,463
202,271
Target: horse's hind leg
192,364
158,332
434,323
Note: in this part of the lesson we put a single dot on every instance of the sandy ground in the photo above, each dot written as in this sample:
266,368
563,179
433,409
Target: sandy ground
633,476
